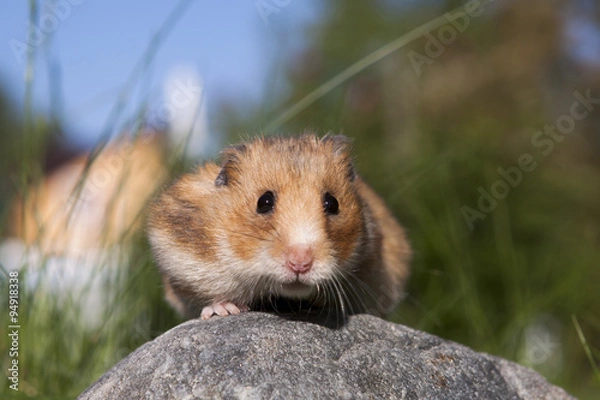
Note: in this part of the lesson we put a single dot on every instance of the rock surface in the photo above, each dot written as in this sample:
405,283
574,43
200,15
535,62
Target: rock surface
259,356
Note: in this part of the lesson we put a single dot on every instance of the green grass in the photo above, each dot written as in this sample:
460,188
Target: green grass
535,257
59,355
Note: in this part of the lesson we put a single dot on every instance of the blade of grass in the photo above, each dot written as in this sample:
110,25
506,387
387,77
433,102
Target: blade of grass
363,63
586,347
145,60
28,117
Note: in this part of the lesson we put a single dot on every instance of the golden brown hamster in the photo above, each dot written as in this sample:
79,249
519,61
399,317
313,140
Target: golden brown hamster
281,218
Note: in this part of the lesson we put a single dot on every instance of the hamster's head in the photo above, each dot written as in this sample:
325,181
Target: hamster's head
293,218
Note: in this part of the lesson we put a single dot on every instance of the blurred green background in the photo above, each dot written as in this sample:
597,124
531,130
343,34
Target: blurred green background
506,264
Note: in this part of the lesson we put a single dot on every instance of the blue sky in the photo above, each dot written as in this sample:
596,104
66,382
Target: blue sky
95,45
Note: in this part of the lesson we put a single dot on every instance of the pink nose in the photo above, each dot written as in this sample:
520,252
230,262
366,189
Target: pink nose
299,259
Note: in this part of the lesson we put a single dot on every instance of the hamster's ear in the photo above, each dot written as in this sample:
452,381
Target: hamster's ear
340,144
341,147
231,157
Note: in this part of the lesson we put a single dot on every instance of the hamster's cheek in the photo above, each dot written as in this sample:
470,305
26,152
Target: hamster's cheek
246,244
243,249
345,237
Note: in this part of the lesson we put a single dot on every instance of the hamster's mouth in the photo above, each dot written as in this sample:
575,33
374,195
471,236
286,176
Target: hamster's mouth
297,290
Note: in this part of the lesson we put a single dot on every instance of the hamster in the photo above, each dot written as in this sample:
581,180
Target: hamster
280,218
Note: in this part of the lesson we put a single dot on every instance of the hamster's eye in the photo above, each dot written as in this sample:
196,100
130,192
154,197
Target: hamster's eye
330,204
265,203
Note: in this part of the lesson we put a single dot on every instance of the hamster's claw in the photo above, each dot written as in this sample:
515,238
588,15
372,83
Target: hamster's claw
223,309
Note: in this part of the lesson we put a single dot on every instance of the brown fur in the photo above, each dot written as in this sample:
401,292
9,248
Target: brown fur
105,211
213,246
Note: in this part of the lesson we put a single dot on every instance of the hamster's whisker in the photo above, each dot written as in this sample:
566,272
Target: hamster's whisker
245,234
349,296
271,233
250,291
271,300
329,299
273,229
318,286
353,298
340,296
348,309
359,290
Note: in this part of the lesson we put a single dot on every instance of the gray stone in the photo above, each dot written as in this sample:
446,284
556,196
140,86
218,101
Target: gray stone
258,356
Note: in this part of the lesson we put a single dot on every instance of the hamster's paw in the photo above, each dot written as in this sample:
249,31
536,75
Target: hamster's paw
223,309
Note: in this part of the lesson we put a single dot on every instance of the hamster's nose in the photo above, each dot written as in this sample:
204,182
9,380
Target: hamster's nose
299,258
